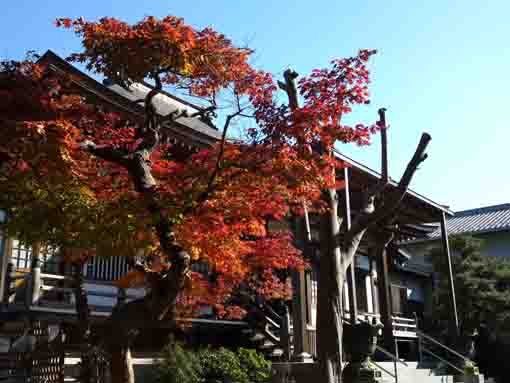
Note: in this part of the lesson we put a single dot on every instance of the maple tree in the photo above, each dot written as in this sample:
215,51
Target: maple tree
93,181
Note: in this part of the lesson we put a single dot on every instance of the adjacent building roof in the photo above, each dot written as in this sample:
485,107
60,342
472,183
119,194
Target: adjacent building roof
489,219
476,221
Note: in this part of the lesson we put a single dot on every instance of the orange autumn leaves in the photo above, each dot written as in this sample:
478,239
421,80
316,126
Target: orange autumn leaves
202,60
58,193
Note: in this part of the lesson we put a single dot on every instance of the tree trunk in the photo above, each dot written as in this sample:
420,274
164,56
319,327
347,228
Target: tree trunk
121,365
330,289
83,322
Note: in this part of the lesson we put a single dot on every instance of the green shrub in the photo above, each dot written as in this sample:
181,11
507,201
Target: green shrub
257,367
222,365
179,365
208,365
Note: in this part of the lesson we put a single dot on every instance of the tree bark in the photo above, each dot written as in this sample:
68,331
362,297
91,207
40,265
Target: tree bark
122,326
121,365
83,316
337,254
330,290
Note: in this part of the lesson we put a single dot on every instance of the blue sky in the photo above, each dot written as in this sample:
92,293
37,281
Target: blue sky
443,67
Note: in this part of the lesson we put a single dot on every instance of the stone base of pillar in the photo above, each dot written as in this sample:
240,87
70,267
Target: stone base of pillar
361,372
467,378
304,357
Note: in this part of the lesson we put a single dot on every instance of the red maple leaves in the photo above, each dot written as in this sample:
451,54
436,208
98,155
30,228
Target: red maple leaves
87,202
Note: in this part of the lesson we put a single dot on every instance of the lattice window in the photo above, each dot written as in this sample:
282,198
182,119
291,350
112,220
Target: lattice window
21,255
106,269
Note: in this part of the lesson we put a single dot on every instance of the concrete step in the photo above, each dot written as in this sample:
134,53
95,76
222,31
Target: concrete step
257,337
276,353
267,345
412,373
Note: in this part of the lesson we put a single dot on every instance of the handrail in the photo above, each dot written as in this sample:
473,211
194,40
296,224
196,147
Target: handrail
403,319
382,368
270,311
438,343
272,337
442,359
396,324
390,355
56,276
272,322
101,294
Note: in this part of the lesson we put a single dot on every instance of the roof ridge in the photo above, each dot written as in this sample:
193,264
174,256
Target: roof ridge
50,54
481,210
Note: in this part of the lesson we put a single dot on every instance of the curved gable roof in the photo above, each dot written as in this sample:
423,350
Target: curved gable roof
192,131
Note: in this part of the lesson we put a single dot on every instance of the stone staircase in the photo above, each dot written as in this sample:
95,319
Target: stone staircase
413,373
265,334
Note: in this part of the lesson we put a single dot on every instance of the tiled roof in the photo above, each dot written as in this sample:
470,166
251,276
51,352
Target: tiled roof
165,105
188,130
480,220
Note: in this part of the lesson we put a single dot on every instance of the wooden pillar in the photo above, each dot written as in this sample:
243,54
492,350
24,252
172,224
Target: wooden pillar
5,258
373,274
351,276
368,292
299,314
299,305
384,292
345,295
34,287
309,297
454,320
285,337
309,253
9,284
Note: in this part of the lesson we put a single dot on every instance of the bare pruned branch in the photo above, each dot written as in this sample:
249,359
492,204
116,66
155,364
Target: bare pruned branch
385,210
289,86
384,145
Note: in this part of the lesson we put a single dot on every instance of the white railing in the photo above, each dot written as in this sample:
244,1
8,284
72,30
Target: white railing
57,294
423,338
362,316
402,327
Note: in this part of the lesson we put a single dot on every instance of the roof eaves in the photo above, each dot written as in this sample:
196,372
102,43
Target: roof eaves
437,236
109,95
373,173
481,210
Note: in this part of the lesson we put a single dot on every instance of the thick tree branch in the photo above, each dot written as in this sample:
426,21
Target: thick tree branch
106,153
165,287
183,113
371,215
418,157
289,86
